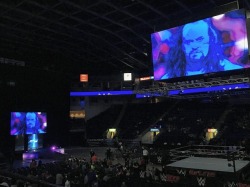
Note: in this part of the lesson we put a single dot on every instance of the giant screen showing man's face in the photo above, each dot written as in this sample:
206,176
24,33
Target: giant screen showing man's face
210,45
195,41
28,123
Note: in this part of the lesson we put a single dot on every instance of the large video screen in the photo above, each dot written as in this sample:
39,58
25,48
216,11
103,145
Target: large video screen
28,123
210,45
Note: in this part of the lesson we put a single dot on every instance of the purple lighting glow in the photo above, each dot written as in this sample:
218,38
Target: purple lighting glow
30,156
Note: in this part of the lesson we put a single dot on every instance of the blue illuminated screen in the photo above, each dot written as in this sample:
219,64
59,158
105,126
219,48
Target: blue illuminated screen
213,44
28,123
35,141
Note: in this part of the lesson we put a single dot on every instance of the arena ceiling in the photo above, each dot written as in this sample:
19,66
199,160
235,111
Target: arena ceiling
94,36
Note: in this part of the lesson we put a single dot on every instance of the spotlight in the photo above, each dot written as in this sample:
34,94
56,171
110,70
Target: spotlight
53,148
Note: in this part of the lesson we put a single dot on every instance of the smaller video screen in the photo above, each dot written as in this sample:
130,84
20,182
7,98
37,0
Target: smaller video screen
19,142
35,141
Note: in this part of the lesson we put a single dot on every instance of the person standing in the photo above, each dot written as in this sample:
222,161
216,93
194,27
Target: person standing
145,155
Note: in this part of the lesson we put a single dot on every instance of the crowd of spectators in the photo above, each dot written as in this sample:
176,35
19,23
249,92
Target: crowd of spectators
94,172
135,170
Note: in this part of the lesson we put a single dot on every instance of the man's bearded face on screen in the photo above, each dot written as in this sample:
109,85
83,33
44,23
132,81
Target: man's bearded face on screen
195,41
31,120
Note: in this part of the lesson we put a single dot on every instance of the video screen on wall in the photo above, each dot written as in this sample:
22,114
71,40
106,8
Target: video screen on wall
19,143
214,44
35,141
28,123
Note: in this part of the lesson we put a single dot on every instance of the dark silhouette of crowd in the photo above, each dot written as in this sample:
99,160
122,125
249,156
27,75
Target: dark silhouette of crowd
91,172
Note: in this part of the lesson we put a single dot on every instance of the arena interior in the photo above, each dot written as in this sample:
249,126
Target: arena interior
106,93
